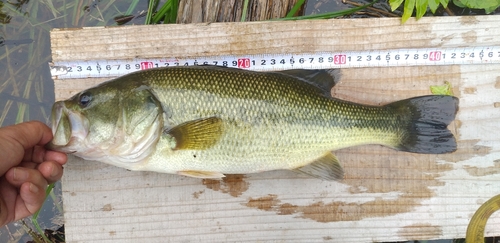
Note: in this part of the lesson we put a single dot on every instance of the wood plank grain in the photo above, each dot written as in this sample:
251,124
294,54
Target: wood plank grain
209,39
386,195
209,11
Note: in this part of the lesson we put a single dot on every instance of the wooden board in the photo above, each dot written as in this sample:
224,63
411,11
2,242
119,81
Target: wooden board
386,195
209,11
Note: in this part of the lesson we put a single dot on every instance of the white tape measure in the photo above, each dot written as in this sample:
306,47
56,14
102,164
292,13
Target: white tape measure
270,62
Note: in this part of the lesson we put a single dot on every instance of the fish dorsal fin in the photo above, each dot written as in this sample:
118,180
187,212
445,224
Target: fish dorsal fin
326,168
197,134
324,79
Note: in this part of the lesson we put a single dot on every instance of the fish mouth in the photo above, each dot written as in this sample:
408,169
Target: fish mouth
68,128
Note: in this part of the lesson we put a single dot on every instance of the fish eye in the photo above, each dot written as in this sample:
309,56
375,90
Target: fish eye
85,99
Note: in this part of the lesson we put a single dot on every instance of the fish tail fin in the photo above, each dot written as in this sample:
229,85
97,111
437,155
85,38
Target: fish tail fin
427,130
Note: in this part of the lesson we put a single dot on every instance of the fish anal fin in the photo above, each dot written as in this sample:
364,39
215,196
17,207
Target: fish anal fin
202,174
197,134
326,168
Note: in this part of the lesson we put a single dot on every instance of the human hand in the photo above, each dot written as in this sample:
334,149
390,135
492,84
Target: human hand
26,168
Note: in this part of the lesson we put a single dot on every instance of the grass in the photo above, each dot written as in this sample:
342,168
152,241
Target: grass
34,219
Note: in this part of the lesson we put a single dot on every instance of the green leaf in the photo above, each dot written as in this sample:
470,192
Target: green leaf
420,5
445,89
244,12
491,9
433,5
421,8
295,8
408,10
445,3
173,11
488,5
459,4
34,219
151,10
395,4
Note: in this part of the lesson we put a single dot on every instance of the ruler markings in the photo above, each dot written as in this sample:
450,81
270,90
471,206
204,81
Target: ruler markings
270,62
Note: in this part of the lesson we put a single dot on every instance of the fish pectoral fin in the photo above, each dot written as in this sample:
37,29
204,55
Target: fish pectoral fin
198,134
326,168
202,174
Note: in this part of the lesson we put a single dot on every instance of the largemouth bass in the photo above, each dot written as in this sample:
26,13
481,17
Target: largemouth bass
207,121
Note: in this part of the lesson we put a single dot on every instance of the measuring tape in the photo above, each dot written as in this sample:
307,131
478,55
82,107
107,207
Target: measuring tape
477,224
270,62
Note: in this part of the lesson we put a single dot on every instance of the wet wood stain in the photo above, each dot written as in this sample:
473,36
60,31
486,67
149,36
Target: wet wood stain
466,149
234,185
497,83
334,211
198,193
470,90
391,171
484,171
107,207
421,232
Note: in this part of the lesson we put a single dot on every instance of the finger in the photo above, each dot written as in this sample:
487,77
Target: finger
7,201
39,154
58,157
34,154
27,134
32,198
51,171
20,175
32,185
3,213
16,140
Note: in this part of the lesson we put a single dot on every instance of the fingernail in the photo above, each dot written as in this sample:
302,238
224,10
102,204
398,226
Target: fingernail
33,188
20,174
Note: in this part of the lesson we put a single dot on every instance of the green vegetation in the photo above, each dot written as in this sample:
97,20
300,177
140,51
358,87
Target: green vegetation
328,15
420,6
488,5
444,89
34,219
167,14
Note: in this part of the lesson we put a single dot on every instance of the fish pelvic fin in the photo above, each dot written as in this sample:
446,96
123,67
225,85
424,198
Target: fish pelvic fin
325,168
198,134
427,131
202,174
